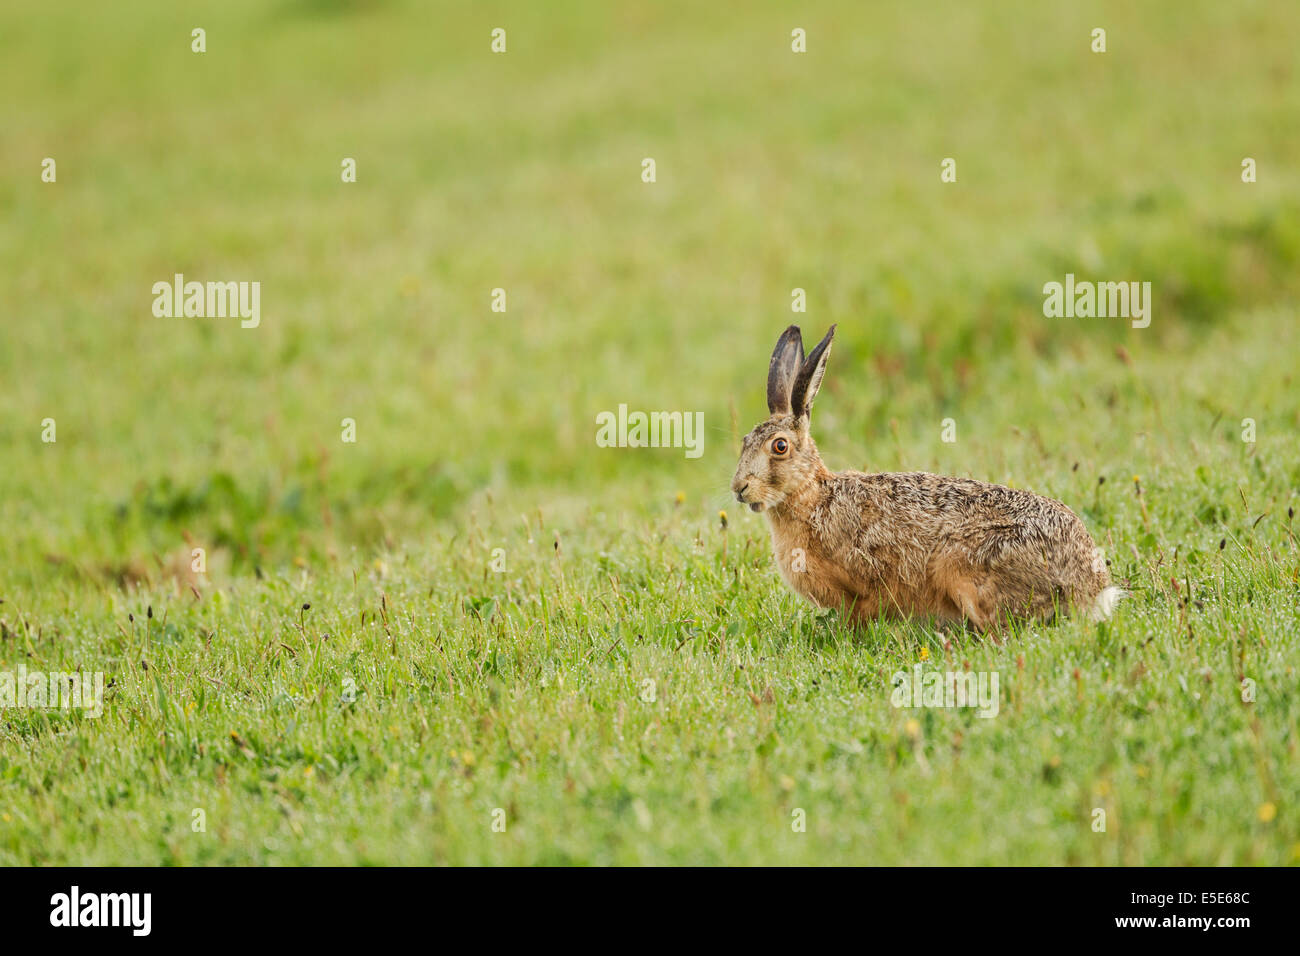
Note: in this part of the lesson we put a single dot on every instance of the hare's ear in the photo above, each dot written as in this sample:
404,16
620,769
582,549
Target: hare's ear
781,372
809,380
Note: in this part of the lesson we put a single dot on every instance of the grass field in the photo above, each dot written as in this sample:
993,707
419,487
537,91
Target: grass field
637,685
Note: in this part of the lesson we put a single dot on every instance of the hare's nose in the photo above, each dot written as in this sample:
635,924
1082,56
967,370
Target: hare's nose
740,492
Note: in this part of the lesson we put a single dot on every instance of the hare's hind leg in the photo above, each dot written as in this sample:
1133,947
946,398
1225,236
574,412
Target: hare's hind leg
975,603
955,588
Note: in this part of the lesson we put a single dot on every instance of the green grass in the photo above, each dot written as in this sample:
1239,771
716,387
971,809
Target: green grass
525,690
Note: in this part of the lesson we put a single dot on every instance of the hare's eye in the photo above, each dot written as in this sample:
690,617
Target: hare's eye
780,446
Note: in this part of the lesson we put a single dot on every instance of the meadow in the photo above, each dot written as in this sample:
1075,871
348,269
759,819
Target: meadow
476,636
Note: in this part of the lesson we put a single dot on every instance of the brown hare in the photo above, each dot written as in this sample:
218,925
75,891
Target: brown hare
904,545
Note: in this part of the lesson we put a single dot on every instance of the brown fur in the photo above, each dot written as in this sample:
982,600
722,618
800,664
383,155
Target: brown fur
913,544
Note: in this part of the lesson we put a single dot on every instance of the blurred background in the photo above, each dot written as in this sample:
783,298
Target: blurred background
522,171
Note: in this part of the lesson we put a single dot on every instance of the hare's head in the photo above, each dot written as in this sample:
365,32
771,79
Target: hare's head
779,456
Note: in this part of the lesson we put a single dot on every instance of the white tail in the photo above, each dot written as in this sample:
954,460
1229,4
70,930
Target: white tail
1105,604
